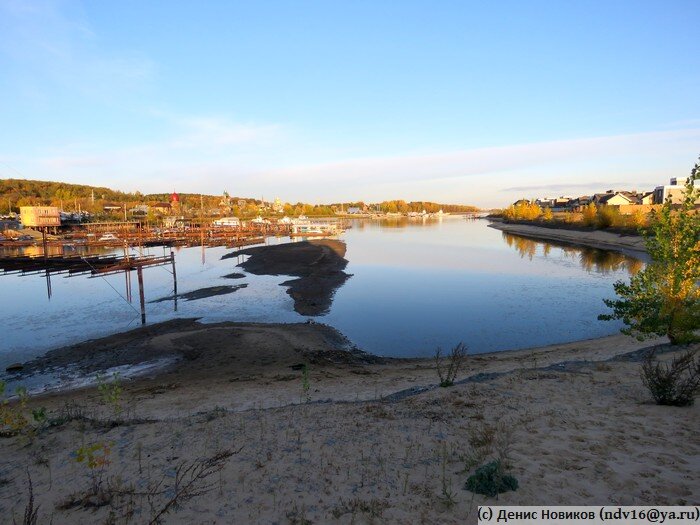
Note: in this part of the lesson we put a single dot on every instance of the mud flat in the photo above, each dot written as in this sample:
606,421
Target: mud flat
318,266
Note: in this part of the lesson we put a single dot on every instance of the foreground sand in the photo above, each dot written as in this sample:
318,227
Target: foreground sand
358,440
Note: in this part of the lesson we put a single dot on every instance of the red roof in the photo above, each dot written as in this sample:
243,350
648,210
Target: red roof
175,197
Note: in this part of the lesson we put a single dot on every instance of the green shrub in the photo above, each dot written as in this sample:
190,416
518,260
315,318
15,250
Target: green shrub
490,480
674,384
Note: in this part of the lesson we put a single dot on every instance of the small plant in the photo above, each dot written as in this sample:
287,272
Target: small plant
305,383
454,362
31,513
674,384
96,458
110,392
490,480
39,415
12,418
447,495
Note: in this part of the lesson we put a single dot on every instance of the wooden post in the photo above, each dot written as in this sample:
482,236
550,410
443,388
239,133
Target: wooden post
46,248
172,260
139,272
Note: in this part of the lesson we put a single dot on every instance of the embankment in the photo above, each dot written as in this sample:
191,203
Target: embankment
632,245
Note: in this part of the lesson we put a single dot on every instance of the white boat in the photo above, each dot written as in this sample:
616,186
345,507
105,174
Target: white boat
227,221
108,237
309,229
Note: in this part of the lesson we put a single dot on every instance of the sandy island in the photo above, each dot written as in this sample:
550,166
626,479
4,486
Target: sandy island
289,423
317,264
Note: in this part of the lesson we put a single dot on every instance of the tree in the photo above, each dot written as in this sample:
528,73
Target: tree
664,298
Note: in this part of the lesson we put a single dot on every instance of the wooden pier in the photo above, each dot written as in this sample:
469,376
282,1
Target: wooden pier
96,266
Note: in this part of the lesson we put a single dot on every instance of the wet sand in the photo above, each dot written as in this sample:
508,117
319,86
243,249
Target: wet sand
322,432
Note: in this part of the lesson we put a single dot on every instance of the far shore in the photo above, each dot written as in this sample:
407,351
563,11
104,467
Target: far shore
632,245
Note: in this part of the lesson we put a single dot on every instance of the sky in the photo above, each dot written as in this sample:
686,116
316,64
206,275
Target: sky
326,101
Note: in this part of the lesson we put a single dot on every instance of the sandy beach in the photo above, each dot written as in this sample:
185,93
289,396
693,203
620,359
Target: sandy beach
632,245
296,426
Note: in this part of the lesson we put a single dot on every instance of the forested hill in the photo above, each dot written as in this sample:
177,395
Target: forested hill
20,192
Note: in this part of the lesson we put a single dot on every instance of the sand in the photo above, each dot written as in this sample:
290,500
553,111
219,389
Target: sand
350,438
632,245
317,264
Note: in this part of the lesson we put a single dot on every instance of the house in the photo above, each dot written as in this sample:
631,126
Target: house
646,198
612,198
675,191
39,216
353,210
161,207
140,210
579,203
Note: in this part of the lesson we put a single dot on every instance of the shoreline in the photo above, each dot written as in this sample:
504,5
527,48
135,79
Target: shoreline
630,245
321,431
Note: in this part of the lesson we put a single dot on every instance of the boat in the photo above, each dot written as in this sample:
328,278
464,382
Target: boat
309,229
108,237
227,221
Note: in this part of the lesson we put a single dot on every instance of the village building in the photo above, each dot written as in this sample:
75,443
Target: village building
675,191
161,207
39,216
111,207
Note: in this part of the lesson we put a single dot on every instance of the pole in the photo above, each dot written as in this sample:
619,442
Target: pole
43,238
139,273
172,260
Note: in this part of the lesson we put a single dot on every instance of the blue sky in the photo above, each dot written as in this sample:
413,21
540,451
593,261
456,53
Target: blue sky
460,102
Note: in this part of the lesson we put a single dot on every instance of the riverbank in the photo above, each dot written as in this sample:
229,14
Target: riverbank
290,423
632,245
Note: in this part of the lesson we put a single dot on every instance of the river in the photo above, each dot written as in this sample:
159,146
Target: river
415,285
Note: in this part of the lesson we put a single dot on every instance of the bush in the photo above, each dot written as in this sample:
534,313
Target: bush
607,217
455,358
490,480
673,384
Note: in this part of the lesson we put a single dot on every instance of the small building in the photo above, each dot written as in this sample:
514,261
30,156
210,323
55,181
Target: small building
162,207
612,198
111,207
140,210
39,216
646,198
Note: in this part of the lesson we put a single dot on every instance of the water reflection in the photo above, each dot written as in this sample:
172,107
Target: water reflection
590,259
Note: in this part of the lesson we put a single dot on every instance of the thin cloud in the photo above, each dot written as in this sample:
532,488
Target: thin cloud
482,161
575,186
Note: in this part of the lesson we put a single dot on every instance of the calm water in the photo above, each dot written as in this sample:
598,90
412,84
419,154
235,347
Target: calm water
416,285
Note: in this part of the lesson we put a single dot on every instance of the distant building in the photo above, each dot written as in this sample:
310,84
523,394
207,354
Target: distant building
675,191
140,210
352,210
613,198
112,207
39,216
162,207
